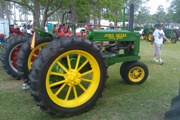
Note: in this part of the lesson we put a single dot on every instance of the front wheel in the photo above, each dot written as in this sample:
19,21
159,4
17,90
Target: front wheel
122,69
135,72
68,76
149,37
173,39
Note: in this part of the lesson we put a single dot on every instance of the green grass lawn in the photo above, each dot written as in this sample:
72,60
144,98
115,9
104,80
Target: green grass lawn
120,101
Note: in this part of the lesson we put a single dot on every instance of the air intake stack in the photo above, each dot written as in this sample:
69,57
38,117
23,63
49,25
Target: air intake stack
131,17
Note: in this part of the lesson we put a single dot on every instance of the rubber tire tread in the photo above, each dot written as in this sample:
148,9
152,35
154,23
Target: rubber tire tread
177,31
12,41
130,66
122,69
23,55
38,73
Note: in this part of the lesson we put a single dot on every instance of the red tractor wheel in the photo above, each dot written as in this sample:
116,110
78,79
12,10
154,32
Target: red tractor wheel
10,52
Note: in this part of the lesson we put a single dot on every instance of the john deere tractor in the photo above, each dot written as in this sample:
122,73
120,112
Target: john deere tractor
69,74
148,33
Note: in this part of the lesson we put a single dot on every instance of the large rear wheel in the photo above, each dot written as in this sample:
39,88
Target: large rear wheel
68,76
10,52
26,56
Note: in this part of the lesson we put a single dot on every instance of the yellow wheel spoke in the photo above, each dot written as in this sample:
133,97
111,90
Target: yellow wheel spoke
34,55
57,83
59,90
56,73
83,65
69,62
87,80
68,93
75,92
77,62
82,87
86,73
62,67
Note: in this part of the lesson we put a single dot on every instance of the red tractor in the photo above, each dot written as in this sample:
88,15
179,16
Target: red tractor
10,49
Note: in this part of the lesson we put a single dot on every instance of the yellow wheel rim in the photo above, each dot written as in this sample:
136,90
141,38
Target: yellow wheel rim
68,86
150,37
145,37
34,53
136,74
173,40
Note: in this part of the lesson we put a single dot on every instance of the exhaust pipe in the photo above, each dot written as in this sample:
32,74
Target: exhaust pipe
131,17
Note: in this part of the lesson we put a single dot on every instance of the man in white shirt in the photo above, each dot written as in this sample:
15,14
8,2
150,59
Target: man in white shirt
159,36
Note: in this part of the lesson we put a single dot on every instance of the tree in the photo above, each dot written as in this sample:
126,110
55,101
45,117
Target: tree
137,4
143,16
174,9
1,9
112,9
49,7
160,14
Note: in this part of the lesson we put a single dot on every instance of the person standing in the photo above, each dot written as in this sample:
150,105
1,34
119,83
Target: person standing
54,30
110,27
159,36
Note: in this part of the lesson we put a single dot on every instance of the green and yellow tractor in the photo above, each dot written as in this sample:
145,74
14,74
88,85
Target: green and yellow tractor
169,33
68,76
148,33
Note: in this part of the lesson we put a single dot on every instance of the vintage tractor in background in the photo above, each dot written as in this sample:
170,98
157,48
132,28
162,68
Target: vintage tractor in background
10,49
169,33
177,32
148,33
69,74
140,30
173,35
2,40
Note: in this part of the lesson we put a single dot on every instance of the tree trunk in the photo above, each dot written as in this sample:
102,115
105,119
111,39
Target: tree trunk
95,17
44,20
14,6
1,10
73,16
26,16
36,15
7,11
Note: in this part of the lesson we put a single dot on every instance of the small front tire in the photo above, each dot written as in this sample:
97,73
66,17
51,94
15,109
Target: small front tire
136,73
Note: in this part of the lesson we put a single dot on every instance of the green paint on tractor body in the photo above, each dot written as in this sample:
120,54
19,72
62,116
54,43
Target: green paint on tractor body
129,39
42,33
129,42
